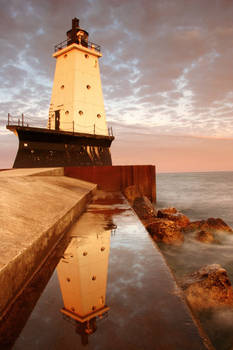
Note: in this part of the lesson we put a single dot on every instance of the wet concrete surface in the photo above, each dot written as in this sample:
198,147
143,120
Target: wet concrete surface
12,323
36,208
147,310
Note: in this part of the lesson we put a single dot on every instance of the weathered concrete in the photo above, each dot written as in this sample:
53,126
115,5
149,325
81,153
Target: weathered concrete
35,211
32,172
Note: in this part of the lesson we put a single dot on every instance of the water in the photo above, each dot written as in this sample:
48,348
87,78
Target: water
140,312
111,264
200,196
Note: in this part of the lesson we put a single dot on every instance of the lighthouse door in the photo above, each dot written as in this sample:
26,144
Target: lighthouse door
57,120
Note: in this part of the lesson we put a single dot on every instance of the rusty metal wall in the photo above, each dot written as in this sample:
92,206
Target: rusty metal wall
118,177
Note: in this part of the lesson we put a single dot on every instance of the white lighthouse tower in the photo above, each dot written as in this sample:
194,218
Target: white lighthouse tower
77,101
77,132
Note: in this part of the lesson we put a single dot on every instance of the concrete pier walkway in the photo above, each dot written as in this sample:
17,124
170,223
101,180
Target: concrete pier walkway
147,310
36,207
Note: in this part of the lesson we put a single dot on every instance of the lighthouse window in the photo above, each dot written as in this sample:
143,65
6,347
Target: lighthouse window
98,116
67,113
80,112
62,87
86,56
88,87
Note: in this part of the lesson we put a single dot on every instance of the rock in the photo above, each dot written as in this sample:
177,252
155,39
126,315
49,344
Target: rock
144,208
204,237
208,287
218,225
210,225
168,210
131,193
171,214
166,231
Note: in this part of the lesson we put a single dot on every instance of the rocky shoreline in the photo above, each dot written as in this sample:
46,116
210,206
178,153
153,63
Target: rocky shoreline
208,287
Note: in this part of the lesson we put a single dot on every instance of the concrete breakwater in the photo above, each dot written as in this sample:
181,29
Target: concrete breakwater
37,206
38,201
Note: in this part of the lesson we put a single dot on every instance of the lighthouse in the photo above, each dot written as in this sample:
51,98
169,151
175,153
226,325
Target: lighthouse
76,132
77,100
82,274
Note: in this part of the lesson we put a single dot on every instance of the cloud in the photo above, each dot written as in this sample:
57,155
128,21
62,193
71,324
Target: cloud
166,65
173,153
9,147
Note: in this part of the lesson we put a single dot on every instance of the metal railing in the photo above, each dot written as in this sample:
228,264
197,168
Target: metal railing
67,42
24,121
48,124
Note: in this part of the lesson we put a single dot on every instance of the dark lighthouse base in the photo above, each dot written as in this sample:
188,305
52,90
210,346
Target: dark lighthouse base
51,148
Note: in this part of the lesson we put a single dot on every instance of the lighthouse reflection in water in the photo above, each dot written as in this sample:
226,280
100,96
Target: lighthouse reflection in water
82,274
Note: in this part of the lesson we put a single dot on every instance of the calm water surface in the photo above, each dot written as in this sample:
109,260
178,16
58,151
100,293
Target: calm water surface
200,196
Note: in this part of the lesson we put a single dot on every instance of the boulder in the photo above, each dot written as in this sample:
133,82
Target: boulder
169,210
144,208
171,214
205,237
166,231
210,225
208,287
218,225
131,193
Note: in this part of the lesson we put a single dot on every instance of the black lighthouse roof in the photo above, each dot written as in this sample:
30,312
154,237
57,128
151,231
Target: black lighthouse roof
76,35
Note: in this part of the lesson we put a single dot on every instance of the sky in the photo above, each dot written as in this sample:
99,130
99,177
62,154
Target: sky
166,71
